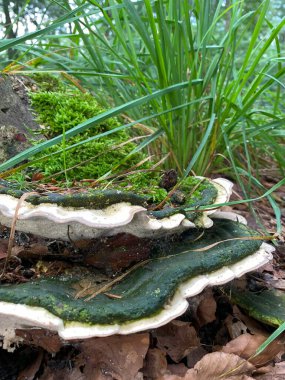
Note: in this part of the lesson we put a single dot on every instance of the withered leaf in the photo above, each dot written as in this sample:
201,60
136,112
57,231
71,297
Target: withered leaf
35,250
119,357
48,340
206,311
252,325
155,363
277,372
177,339
177,369
217,366
246,345
64,374
3,248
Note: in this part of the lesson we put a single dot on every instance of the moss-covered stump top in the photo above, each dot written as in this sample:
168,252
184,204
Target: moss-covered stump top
148,296
58,108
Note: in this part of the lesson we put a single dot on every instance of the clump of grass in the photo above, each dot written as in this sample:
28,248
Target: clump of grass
197,49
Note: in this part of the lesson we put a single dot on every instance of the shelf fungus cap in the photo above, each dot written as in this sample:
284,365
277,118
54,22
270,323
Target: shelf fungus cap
107,213
148,297
224,192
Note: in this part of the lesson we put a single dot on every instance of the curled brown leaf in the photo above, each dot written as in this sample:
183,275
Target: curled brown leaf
246,345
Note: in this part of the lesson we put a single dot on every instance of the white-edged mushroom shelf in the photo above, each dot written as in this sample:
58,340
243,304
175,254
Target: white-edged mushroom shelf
210,248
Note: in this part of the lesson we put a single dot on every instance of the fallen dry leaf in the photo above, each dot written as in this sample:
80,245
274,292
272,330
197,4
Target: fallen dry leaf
37,176
239,323
48,340
235,326
114,253
206,311
275,373
246,345
118,357
278,284
217,366
65,374
35,250
195,356
213,366
172,377
177,339
190,377
155,363
263,370
177,369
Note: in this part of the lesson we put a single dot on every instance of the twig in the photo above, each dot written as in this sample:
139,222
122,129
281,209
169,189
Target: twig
108,286
13,229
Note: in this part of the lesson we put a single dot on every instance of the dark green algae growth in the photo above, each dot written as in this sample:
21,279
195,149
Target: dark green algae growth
144,291
267,306
90,199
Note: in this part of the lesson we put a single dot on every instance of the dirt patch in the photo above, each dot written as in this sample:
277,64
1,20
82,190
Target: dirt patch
16,120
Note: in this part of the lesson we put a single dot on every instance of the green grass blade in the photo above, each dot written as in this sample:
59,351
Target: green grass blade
269,340
201,146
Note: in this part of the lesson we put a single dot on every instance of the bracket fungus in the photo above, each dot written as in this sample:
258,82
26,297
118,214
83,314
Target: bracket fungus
150,295
107,212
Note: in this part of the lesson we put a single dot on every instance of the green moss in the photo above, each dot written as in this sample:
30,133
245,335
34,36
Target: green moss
64,110
200,192
59,111
89,199
47,82
195,187
142,183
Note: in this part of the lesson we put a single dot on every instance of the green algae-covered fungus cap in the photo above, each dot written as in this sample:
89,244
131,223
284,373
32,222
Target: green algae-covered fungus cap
267,306
92,214
150,295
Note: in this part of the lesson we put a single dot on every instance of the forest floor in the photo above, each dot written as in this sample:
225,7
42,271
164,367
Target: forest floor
213,340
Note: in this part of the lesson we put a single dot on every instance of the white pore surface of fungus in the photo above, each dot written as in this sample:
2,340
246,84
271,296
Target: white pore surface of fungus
14,316
57,222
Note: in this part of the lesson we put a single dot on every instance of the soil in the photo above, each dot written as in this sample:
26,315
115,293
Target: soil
16,119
